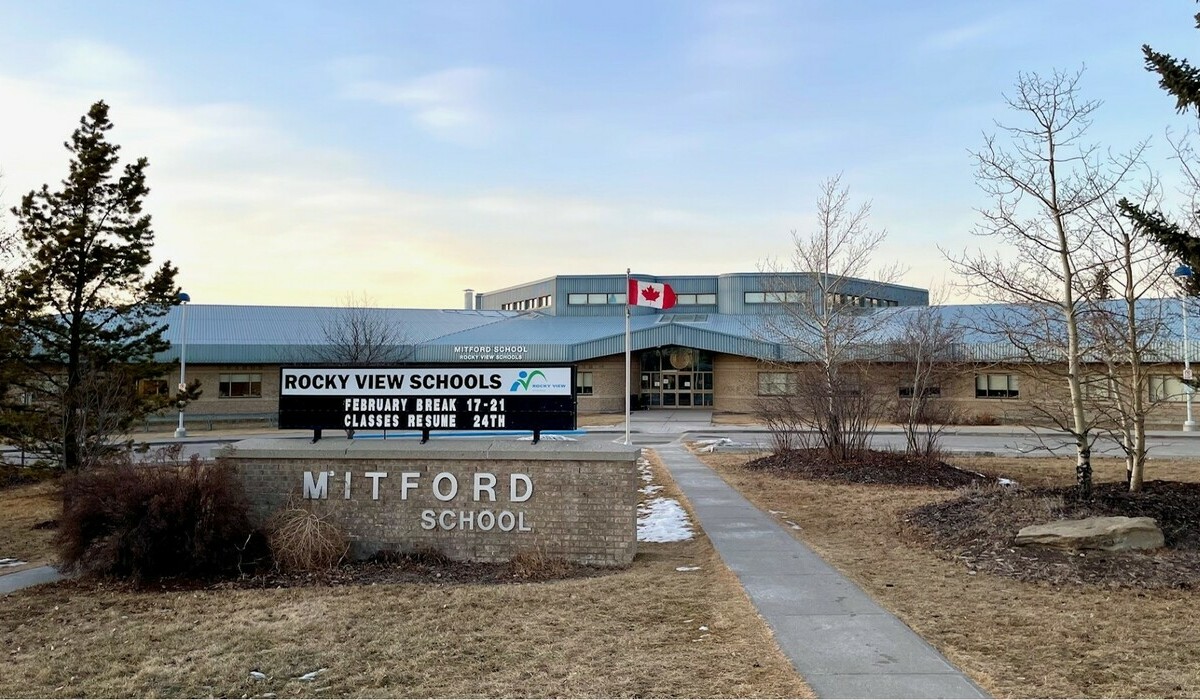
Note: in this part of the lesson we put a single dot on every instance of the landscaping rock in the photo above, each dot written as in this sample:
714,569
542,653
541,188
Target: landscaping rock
1113,534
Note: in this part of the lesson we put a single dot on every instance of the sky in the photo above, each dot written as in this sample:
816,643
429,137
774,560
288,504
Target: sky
302,153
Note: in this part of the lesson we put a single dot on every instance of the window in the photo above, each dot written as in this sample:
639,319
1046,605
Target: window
1167,387
776,383
593,298
930,392
152,387
772,297
695,299
583,383
1098,386
997,386
238,386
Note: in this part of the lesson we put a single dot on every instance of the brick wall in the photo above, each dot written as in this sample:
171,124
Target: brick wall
572,501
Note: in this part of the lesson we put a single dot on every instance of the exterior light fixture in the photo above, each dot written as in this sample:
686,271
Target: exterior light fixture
1185,275
181,432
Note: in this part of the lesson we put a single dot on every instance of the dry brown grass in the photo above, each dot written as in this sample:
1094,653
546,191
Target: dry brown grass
629,633
1060,471
22,507
1016,639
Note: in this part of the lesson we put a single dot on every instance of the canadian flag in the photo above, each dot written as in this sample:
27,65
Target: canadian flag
655,294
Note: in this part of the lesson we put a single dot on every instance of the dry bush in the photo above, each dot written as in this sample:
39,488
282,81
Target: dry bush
537,566
302,540
156,520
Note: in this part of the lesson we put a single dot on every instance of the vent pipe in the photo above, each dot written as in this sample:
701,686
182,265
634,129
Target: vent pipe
469,299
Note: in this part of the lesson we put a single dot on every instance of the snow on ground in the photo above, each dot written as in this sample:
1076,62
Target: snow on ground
659,519
8,561
663,520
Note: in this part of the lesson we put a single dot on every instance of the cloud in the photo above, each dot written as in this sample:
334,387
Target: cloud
96,65
449,104
743,35
254,214
963,36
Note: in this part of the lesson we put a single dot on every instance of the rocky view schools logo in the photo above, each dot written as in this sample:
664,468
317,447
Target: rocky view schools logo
525,379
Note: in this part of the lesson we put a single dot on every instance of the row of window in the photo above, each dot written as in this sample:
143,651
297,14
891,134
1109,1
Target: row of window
1163,387
229,386
526,304
580,298
797,297
774,297
860,301
595,298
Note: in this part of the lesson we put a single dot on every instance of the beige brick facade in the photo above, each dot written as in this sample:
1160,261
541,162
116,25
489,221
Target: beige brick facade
735,385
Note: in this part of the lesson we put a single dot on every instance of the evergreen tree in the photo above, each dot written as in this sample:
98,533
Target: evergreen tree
1182,80
84,305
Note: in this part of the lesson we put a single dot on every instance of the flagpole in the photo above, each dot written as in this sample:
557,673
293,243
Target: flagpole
628,382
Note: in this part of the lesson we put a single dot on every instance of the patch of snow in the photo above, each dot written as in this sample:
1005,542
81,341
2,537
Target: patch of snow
8,561
687,568
709,446
644,470
1006,482
258,675
703,628
550,438
776,512
650,489
663,520
794,525
311,675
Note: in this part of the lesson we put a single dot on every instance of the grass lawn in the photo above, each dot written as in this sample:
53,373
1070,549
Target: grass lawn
22,507
647,631
1016,639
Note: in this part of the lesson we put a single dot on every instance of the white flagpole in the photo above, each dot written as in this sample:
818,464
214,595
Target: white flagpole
628,382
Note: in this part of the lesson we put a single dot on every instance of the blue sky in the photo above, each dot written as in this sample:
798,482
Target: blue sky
301,152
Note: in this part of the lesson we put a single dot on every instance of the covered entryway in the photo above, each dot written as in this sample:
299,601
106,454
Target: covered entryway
676,377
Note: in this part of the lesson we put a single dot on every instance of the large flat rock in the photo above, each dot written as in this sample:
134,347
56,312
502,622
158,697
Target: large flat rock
1114,533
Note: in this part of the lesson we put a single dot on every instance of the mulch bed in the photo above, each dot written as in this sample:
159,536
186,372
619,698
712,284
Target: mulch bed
383,569
871,467
977,528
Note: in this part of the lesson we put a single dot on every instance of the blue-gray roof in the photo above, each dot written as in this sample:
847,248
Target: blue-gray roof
226,334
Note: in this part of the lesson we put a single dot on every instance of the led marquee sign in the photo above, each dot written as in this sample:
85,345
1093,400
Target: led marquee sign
427,398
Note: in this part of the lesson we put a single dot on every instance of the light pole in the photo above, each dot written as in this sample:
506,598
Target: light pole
181,431
1184,273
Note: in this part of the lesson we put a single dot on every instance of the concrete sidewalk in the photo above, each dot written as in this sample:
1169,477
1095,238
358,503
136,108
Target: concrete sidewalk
837,637
29,577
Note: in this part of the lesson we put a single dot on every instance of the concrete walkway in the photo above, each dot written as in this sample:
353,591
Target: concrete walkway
837,637
29,577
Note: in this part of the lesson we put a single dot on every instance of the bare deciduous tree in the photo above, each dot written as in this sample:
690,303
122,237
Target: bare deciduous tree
1125,326
925,344
1042,181
822,324
361,335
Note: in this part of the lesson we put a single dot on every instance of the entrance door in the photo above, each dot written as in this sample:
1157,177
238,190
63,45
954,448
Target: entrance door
675,377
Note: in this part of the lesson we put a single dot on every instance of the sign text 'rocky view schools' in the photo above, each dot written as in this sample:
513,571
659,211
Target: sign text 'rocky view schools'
422,398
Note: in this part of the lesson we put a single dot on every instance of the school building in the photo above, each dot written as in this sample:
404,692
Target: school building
718,349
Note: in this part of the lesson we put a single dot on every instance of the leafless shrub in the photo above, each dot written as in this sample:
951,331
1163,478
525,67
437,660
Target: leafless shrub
153,521
304,541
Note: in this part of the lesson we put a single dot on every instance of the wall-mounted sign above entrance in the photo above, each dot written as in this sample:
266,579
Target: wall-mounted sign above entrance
491,353
427,398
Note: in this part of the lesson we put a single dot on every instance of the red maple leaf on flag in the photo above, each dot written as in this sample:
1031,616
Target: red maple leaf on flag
650,293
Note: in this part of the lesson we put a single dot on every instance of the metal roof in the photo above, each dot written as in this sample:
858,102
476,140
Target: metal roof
227,334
